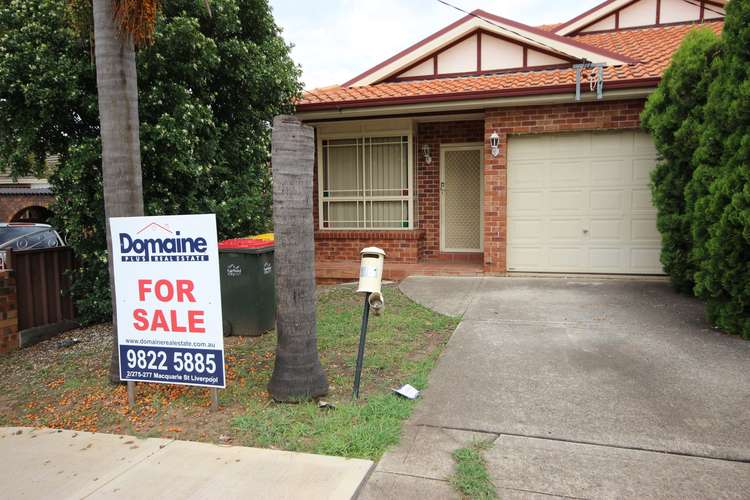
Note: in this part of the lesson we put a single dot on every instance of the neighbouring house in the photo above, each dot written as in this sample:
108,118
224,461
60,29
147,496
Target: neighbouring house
472,145
26,199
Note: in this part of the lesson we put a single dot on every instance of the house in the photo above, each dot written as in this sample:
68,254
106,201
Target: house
512,147
25,199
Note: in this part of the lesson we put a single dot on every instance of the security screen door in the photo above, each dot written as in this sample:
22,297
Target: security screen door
461,198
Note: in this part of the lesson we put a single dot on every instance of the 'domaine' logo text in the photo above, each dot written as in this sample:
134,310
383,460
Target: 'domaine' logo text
172,248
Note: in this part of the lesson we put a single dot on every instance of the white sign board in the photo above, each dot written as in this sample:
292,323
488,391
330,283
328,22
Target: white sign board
166,273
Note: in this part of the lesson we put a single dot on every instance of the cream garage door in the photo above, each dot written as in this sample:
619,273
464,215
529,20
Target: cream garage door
581,202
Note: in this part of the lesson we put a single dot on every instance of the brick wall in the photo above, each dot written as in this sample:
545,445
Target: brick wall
590,116
8,312
427,177
399,246
10,205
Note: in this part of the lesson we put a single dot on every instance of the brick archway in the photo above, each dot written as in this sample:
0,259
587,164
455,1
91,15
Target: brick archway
34,213
13,204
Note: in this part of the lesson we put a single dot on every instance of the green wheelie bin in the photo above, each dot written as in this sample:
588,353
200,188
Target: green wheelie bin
248,298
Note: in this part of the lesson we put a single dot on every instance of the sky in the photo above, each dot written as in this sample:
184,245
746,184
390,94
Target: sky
335,40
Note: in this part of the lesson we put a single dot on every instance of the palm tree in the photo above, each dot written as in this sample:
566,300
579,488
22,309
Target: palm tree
297,374
116,29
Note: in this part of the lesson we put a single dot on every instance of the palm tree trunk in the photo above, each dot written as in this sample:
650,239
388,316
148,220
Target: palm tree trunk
297,374
117,88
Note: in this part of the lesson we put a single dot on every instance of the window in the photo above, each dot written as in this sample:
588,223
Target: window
365,183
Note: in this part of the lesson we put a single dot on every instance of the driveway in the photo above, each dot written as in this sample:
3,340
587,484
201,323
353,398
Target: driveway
587,388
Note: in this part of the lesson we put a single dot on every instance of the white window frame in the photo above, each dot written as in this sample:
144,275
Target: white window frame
365,135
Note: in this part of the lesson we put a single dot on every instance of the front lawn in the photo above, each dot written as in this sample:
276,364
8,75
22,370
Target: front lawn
66,387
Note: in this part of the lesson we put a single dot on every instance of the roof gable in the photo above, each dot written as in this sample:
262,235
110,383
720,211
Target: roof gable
481,52
454,44
621,14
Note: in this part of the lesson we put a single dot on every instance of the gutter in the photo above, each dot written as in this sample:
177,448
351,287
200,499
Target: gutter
461,101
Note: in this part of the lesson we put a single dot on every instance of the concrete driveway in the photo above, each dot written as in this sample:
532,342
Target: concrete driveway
587,388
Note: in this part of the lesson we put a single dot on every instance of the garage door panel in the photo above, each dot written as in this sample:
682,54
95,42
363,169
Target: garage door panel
644,230
607,200
527,175
563,258
526,230
641,201
563,174
564,230
566,145
566,201
606,259
527,257
645,260
581,202
532,147
602,230
528,202
609,172
610,144
644,145
642,168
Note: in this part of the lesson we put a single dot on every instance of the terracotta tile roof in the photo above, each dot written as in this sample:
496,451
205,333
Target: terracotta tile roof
549,27
652,47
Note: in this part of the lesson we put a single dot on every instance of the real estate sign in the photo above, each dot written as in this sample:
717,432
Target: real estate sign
166,274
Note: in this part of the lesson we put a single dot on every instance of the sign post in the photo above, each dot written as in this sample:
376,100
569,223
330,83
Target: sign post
169,325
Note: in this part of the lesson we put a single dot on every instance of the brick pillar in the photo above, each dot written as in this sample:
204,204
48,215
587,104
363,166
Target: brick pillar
9,339
495,199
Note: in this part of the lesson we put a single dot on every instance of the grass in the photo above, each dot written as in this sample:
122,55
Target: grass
67,387
471,478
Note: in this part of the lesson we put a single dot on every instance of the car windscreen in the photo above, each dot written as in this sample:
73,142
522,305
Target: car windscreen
10,233
42,238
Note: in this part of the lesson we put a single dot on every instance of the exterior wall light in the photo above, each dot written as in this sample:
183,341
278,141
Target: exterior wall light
427,153
495,144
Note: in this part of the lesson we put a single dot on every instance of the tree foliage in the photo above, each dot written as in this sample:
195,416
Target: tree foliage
209,86
700,120
720,187
674,117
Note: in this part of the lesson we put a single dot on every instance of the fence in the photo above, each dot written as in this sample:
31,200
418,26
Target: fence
42,285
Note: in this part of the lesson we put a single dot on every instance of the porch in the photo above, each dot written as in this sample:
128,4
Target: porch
331,272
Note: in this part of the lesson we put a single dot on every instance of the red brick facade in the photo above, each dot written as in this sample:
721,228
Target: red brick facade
8,313
590,116
400,246
424,242
11,204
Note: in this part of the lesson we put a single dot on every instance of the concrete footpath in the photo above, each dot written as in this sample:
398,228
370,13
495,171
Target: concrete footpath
585,388
47,463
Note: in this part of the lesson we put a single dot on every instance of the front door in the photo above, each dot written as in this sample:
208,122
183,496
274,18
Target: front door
461,198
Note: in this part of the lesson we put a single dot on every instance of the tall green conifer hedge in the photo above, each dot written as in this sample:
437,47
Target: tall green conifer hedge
700,120
674,116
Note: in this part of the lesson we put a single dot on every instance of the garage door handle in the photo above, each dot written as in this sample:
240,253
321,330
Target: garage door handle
585,231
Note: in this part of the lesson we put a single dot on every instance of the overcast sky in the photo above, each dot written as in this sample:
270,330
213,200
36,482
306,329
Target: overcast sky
335,40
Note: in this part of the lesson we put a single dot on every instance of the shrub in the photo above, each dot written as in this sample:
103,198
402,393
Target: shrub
674,117
720,188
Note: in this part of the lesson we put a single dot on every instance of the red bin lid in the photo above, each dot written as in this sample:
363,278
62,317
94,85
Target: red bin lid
244,243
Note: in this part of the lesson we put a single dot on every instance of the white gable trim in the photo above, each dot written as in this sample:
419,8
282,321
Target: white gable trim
592,16
603,10
555,44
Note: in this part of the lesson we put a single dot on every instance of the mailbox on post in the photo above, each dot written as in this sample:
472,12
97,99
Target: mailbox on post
370,282
371,278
